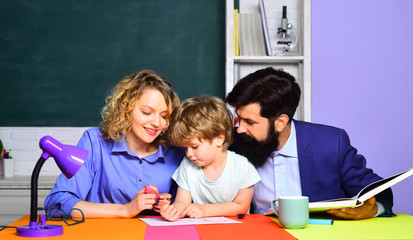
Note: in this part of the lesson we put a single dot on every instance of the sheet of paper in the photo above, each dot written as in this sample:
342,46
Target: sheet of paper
188,221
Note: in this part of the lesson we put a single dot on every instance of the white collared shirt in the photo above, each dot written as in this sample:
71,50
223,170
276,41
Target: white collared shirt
280,175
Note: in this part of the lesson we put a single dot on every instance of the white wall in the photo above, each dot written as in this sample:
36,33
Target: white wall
25,150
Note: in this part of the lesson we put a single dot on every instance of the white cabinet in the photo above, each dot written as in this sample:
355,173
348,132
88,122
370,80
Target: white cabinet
15,196
298,64
17,201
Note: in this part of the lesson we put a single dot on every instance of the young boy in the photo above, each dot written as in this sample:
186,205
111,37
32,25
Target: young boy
212,181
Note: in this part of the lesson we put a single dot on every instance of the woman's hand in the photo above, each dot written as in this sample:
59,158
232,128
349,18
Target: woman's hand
164,199
140,202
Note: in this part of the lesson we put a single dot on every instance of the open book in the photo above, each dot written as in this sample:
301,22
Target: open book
366,193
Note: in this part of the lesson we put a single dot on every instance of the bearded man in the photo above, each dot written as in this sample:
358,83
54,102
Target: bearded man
297,158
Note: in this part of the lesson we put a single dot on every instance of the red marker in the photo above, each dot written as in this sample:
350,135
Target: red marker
150,190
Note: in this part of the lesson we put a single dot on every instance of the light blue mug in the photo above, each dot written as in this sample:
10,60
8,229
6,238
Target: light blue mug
292,211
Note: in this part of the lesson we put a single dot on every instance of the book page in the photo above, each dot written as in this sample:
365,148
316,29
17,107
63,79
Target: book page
322,206
381,185
159,221
366,193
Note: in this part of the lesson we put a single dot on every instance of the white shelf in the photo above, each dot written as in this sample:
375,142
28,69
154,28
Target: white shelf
268,59
298,65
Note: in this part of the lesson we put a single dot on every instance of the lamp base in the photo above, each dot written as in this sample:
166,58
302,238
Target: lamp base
34,230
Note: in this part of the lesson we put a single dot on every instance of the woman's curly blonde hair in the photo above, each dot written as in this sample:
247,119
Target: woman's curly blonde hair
116,114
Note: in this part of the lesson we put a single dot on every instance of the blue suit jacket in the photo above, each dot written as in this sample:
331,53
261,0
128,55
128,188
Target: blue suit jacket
330,167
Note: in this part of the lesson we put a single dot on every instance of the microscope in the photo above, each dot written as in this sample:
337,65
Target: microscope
288,33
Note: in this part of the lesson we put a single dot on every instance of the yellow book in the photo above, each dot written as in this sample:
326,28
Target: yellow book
236,33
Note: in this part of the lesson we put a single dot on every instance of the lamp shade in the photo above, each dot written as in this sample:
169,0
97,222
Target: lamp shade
68,158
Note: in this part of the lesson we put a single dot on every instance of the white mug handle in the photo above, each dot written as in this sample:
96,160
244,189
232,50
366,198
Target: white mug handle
274,209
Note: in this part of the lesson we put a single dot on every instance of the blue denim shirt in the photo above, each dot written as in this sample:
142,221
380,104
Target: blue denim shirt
113,174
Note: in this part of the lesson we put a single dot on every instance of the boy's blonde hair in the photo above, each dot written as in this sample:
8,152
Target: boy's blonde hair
204,118
120,103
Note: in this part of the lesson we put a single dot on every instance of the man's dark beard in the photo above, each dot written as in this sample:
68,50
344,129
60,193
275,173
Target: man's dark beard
258,152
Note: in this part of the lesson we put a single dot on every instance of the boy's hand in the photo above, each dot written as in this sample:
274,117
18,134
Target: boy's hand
170,213
194,211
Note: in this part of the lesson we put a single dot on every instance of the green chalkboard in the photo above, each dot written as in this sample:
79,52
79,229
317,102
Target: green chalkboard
59,59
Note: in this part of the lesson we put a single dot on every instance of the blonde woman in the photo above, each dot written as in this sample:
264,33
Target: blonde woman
126,153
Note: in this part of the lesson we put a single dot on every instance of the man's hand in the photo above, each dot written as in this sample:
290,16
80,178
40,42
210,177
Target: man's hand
367,210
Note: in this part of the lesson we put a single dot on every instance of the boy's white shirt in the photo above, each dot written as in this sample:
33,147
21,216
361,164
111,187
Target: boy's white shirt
238,174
